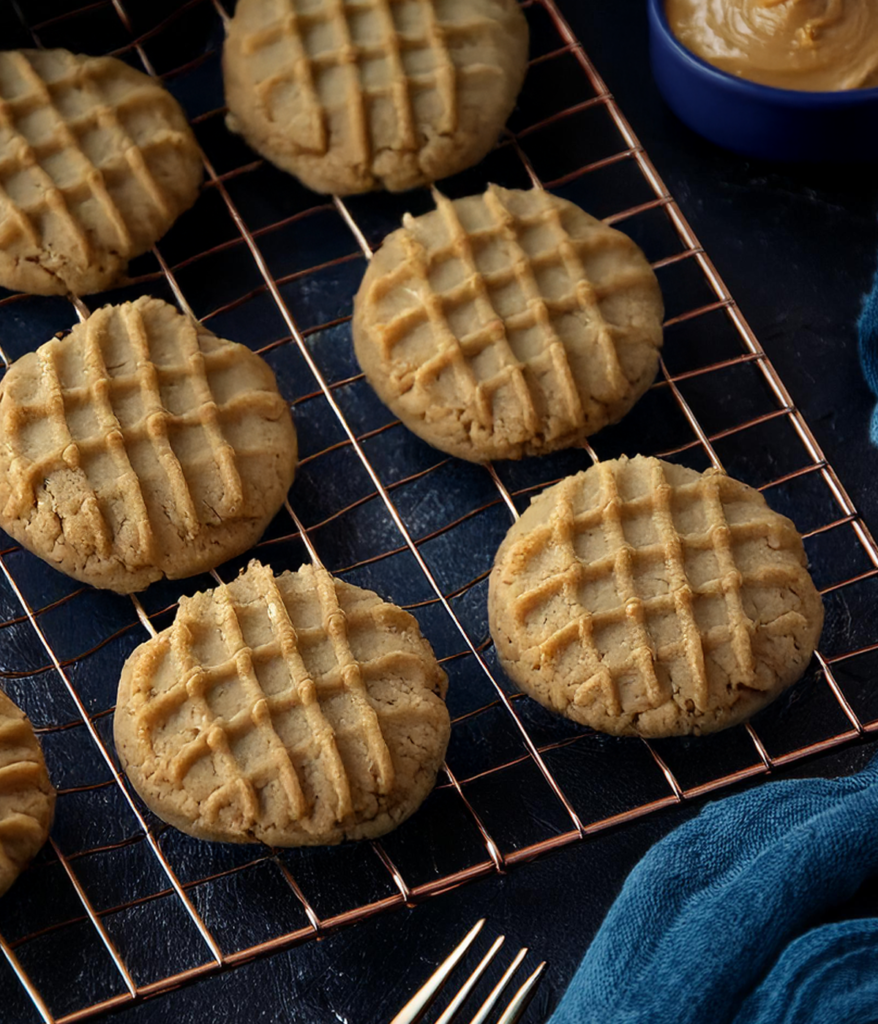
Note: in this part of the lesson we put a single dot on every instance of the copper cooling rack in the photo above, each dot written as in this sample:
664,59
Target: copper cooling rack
118,906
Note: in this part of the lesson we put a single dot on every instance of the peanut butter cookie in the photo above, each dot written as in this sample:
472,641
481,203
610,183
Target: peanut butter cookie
294,710
642,597
27,799
508,324
141,446
97,161
380,94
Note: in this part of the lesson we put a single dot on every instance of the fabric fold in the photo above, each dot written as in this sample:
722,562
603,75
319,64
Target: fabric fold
713,923
868,343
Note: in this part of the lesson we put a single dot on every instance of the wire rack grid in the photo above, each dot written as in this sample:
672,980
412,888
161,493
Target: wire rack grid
119,907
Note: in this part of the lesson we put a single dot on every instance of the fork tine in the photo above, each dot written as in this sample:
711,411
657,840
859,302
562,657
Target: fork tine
497,990
415,1007
469,984
518,1003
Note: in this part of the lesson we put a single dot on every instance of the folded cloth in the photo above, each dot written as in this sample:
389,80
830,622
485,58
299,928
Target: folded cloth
716,922
868,327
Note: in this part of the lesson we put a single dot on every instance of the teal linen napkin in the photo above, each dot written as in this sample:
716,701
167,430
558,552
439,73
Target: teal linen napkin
868,329
715,925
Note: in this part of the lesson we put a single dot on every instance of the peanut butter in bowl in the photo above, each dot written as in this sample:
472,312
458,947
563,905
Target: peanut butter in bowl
809,45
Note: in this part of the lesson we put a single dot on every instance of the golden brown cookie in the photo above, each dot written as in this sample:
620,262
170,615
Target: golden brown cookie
294,710
97,161
642,597
27,799
383,94
141,446
508,324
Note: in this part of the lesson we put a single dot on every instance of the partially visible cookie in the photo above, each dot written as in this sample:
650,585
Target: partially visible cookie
293,710
97,161
27,799
141,446
641,597
508,324
352,97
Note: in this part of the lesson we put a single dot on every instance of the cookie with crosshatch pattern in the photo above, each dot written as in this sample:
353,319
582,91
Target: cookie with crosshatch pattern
508,324
141,446
27,798
294,710
97,161
642,597
353,95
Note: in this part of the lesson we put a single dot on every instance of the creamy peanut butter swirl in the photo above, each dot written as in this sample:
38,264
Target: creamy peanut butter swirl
811,45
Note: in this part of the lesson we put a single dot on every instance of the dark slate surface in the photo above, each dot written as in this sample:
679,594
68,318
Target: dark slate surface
796,245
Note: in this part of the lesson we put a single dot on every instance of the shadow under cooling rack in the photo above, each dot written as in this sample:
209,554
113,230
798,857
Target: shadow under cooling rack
119,906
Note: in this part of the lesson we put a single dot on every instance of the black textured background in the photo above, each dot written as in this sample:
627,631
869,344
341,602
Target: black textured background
796,246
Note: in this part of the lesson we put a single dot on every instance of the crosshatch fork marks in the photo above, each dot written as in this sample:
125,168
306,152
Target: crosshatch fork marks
507,299
365,77
293,663
86,410
87,150
595,558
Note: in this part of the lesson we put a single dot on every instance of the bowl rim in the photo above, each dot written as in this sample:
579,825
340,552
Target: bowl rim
756,90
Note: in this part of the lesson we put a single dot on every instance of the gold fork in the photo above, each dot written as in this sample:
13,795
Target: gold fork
417,1006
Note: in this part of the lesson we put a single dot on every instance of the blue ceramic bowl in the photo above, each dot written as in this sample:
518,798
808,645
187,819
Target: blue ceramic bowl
760,120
